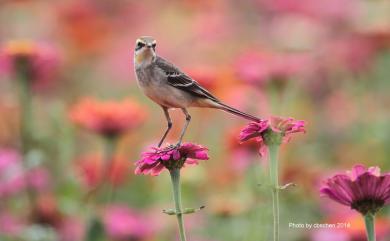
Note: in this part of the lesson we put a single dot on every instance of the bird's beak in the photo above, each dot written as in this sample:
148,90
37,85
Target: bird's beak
150,46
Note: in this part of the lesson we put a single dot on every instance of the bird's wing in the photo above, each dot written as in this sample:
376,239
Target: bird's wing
180,80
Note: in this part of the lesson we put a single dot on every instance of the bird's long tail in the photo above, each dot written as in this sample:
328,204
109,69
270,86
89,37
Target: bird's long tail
237,112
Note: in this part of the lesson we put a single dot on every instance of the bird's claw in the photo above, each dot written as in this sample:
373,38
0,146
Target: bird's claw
172,147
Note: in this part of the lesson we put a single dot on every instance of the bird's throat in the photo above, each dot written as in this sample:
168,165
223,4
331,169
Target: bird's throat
145,57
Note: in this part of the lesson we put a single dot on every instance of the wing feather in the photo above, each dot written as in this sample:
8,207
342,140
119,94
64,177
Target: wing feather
180,80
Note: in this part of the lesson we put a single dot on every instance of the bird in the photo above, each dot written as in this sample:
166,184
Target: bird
171,88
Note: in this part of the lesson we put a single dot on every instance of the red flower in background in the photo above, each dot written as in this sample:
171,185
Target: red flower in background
153,162
36,62
92,170
46,211
362,189
281,125
108,118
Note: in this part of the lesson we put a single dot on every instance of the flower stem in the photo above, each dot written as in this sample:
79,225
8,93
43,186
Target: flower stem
273,164
369,220
175,178
110,144
26,119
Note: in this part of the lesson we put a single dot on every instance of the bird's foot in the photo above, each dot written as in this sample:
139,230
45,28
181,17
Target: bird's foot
172,147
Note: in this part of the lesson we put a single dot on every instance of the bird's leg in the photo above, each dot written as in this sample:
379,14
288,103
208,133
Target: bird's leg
169,121
188,119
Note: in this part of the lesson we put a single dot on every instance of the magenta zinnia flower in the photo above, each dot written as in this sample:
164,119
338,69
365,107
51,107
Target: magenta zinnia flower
283,127
154,161
362,189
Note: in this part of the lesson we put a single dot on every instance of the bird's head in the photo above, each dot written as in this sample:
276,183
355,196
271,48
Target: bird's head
145,50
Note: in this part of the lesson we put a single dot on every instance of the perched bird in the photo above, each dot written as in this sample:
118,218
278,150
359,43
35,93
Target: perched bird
169,87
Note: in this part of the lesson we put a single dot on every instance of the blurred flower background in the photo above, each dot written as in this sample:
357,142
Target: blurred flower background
68,64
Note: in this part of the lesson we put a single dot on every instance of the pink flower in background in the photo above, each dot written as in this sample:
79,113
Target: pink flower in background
213,25
362,189
71,229
253,67
11,173
153,162
108,118
352,53
13,177
261,67
326,235
281,125
122,224
10,225
352,228
38,62
333,11
39,178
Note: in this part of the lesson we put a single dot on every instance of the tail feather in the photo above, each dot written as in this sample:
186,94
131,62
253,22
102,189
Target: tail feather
238,113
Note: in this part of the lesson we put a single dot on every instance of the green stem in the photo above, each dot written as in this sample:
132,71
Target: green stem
369,220
109,154
109,148
26,115
26,118
175,177
273,164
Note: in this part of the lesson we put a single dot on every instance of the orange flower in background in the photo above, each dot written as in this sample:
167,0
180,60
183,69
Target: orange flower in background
92,170
84,26
108,118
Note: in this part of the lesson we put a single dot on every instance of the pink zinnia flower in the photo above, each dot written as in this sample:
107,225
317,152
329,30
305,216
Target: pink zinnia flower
362,189
154,161
261,131
108,118
122,223
39,62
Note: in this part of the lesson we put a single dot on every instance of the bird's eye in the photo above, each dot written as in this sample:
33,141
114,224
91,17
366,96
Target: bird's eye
139,45
154,46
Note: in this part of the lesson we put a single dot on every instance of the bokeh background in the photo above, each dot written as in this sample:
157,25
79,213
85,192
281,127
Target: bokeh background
325,62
